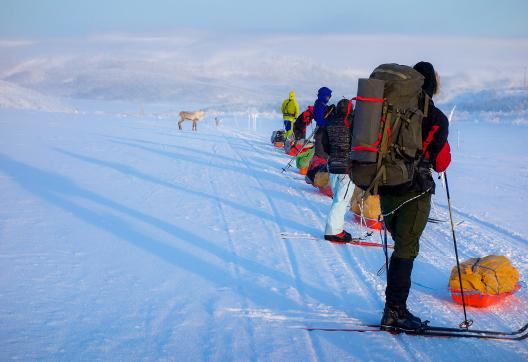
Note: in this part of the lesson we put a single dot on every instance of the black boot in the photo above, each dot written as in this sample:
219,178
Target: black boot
342,237
398,287
399,317
411,316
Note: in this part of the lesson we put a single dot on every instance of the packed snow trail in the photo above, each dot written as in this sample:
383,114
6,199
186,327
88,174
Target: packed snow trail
124,238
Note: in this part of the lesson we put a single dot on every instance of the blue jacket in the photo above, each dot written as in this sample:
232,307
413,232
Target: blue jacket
323,96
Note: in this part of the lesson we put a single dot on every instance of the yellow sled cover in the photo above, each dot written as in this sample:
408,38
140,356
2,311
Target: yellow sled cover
371,206
322,179
493,274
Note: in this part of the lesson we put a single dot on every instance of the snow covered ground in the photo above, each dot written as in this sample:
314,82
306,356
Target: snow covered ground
122,238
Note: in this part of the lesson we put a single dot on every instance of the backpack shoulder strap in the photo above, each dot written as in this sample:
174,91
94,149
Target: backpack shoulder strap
427,100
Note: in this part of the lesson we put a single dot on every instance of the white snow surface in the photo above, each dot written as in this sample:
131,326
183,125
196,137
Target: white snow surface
122,238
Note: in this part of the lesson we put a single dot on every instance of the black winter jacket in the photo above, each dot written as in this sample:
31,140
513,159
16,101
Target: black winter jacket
338,136
435,128
321,142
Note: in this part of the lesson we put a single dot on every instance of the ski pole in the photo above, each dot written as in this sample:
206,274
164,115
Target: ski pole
288,165
467,322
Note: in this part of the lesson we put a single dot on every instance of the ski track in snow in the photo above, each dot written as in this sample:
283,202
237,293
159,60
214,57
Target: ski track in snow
287,247
127,239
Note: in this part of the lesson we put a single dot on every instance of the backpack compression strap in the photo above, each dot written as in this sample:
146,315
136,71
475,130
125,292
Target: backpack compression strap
366,99
373,147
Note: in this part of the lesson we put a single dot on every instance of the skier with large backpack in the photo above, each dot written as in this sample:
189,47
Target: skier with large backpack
290,111
398,136
337,136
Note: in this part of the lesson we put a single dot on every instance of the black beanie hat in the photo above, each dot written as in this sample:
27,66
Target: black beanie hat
427,70
342,107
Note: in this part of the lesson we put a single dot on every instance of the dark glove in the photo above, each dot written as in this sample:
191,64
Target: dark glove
424,177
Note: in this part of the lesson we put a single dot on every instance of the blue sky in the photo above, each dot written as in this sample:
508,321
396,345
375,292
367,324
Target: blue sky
64,18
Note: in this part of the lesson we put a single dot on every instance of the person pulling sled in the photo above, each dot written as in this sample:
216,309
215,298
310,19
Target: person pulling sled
336,138
399,135
303,121
290,111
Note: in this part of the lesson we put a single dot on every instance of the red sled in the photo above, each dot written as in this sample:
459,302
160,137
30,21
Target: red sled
476,298
326,191
296,149
370,223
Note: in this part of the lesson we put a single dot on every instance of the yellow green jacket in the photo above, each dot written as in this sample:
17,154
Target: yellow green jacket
290,108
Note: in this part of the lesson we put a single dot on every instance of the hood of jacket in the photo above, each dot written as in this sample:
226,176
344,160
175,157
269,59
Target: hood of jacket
324,94
291,96
430,85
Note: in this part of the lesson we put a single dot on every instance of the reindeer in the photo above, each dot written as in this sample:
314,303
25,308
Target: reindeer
191,116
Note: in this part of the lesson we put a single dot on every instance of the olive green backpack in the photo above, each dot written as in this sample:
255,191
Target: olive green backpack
387,131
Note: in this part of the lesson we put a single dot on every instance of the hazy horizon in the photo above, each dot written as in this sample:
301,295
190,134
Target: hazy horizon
70,51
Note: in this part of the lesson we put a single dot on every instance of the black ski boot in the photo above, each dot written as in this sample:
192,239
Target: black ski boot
412,317
396,313
399,317
342,237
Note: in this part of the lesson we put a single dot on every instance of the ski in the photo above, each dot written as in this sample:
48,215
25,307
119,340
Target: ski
439,221
436,221
477,331
433,331
354,241
360,242
285,235
441,329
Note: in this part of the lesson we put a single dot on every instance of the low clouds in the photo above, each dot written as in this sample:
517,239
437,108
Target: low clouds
251,69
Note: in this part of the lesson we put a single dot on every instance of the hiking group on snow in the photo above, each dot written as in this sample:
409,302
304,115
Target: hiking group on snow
377,158
388,146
